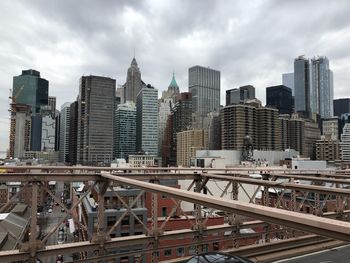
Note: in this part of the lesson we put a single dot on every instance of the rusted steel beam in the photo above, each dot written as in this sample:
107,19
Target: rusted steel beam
321,226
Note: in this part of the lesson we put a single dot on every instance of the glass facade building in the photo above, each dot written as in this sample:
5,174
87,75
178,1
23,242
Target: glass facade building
30,89
96,109
204,84
280,97
302,86
321,88
147,120
125,131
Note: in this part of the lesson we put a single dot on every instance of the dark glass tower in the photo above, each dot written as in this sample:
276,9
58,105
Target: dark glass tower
30,89
341,106
280,97
302,86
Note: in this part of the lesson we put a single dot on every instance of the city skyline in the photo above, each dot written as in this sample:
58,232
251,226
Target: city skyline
240,40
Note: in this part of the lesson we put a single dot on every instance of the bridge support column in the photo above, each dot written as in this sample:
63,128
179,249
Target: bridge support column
100,237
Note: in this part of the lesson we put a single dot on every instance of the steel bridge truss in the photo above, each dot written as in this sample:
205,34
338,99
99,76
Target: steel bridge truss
97,246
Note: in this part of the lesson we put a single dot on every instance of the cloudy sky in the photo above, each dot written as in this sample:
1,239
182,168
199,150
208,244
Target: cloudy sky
250,42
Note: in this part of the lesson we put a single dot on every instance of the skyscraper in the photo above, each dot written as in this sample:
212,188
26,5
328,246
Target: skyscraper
341,106
125,131
165,105
147,120
345,143
133,83
48,130
302,86
204,84
280,97
20,129
73,132
64,132
52,103
321,88
96,102
240,95
288,81
173,89
29,88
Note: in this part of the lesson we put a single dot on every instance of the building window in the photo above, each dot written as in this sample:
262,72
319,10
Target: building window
216,246
137,221
164,212
110,220
167,252
125,221
180,252
205,248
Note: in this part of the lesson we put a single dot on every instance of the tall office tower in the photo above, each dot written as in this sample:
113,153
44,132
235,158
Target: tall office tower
168,149
96,102
297,131
36,132
165,105
240,95
48,129
280,97
238,121
52,103
302,86
20,129
181,119
188,142
164,110
268,129
321,88
214,131
173,89
341,106
288,81
30,89
125,132
64,133
312,133
345,143
204,84
147,120
133,83
73,133
57,133
120,92
285,131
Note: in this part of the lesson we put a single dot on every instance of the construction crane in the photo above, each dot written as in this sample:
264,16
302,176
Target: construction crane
16,95
14,98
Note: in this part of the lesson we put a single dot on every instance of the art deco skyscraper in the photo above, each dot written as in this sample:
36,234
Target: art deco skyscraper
133,82
96,104
204,84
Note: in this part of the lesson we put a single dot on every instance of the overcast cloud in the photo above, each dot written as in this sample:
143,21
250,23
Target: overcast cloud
250,42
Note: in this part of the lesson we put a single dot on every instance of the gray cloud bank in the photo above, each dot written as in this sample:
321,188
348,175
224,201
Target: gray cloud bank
250,42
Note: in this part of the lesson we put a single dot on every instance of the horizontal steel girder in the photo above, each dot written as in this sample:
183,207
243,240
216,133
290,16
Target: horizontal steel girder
282,185
321,226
